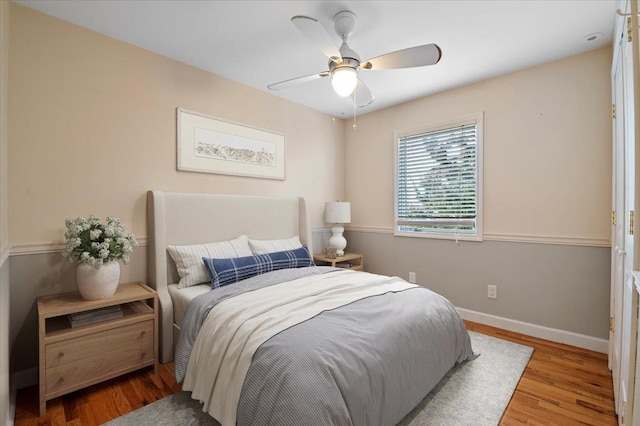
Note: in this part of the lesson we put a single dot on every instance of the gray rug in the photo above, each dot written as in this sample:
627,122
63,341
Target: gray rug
473,393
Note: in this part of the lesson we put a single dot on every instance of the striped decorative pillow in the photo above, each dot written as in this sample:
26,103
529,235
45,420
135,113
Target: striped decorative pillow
188,259
228,271
272,246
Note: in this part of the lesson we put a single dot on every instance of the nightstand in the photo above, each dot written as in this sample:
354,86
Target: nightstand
353,261
71,358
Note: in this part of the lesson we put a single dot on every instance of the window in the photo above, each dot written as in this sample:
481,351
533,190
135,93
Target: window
439,180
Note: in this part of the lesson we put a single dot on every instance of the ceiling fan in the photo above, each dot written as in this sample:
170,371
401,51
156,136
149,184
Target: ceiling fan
345,64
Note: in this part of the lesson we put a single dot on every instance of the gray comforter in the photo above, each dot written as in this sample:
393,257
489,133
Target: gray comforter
366,363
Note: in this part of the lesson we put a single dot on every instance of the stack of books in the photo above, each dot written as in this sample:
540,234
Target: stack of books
95,315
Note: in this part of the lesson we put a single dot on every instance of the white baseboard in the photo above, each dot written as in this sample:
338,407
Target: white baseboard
25,378
11,415
541,332
19,380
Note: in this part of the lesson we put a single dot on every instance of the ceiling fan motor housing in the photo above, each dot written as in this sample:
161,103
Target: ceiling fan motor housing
344,23
345,63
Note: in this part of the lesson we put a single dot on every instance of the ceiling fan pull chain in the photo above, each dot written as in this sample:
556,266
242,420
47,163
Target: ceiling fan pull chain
355,124
333,102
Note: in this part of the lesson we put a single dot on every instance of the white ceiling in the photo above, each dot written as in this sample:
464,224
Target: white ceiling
254,43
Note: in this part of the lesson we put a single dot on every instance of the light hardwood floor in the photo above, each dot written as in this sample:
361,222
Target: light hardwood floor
562,385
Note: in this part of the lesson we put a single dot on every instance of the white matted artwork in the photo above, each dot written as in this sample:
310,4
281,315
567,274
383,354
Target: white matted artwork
211,145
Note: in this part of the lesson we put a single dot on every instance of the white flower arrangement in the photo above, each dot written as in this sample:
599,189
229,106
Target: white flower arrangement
91,242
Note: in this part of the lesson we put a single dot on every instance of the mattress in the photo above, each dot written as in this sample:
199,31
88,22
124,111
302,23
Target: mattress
181,298
339,347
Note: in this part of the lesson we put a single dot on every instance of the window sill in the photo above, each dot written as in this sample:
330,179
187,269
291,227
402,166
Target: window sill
459,237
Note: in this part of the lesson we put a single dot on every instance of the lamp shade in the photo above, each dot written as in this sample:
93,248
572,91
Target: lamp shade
344,80
337,212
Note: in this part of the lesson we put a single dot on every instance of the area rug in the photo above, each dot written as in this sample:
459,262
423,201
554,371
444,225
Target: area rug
473,393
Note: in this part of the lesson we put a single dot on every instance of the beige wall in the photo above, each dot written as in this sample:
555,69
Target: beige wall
5,414
93,127
5,9
547,150
547,179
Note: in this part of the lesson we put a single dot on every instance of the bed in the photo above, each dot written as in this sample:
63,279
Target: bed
310,345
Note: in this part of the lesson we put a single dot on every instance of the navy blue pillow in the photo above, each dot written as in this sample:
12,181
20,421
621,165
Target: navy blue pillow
229,271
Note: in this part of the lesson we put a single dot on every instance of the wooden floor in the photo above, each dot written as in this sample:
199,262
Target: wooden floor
561,385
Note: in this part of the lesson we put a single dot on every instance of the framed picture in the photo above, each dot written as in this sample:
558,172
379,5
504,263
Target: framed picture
211,145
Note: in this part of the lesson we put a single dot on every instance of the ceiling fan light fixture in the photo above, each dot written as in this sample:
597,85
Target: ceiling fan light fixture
344,80
345,64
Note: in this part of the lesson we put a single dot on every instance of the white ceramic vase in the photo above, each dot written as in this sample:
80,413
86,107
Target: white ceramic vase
94,284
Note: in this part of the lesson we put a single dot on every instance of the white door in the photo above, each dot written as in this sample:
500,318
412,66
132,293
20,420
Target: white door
628,326
617,232
622,340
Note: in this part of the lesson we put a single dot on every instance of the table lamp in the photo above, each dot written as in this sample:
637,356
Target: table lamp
337,213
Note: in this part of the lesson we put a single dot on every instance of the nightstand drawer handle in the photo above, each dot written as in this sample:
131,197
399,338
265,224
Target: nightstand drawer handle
61,354
143,333
60,380
143,354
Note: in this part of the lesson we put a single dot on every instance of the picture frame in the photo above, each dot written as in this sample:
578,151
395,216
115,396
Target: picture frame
212,145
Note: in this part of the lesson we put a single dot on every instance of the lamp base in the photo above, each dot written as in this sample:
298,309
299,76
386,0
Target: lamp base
337,240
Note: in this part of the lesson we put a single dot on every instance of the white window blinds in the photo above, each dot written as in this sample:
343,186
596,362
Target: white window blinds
437,180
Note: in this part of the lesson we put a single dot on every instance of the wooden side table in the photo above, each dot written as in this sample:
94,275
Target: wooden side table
71,358
353,261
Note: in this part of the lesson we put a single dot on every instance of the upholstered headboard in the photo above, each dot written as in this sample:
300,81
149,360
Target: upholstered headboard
175,218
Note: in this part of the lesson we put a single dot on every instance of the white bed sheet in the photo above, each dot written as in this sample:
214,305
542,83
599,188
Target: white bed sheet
181,298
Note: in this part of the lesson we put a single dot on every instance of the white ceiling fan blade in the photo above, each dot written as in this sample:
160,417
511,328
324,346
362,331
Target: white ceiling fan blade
298,80
363,95
317,35
419,56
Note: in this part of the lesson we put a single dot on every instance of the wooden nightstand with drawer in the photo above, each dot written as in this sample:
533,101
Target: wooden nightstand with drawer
353,261
71,358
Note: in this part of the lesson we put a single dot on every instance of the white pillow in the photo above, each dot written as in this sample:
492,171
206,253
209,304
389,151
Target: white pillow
272,246
189,262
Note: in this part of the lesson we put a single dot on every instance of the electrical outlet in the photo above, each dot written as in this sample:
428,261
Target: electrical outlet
412,277
492,292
